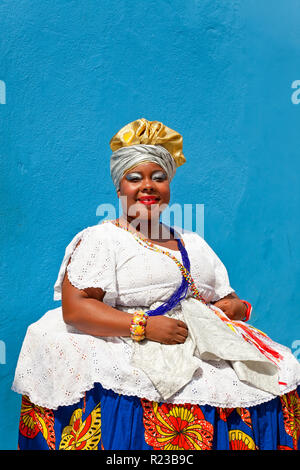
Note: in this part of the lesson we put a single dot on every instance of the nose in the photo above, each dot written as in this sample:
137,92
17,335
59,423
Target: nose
147,183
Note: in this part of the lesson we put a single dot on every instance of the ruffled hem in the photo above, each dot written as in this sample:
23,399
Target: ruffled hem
57,367
148,396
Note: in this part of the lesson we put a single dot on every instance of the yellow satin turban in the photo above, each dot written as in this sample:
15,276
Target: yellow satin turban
146,132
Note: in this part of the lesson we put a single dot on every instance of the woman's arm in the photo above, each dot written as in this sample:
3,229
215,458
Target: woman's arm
232,306
86,311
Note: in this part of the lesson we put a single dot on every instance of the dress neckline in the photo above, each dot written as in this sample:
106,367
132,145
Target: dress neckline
133,233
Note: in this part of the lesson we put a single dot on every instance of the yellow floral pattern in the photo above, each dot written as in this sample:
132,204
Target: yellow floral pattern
239,440
82,435
176,427
36,419
291,414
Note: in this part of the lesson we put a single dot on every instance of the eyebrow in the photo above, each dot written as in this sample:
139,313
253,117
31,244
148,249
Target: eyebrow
139,173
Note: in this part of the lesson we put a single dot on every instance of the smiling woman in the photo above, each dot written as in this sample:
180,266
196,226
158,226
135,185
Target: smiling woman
145,191
151,348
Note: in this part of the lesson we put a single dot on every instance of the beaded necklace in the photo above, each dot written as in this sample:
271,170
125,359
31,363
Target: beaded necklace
184,272
249,333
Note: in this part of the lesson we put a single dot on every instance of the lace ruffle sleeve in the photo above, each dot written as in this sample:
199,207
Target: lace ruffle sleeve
219,281
92,263
222,285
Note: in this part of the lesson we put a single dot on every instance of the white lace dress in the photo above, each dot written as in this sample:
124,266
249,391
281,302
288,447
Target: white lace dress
58,364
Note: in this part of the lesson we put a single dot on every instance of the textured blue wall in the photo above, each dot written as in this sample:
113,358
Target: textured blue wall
219,72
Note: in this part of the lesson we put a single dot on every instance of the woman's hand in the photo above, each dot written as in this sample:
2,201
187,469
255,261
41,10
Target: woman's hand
166,330
232,306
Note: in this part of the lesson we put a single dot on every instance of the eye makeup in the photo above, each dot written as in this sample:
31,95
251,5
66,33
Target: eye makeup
156,175
160,175
133,176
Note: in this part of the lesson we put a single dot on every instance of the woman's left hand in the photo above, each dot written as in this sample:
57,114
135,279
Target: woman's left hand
233,307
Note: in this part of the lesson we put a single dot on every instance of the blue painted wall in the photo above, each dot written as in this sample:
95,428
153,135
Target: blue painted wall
221,73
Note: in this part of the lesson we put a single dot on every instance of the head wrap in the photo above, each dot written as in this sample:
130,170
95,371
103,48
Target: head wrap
141,141
125,158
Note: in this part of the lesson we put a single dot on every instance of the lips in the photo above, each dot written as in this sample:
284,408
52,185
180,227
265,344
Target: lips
148,200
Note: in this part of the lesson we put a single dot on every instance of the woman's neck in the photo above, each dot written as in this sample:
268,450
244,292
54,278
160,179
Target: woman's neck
151,229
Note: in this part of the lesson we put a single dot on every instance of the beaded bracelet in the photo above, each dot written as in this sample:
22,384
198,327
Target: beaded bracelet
138,325
249,310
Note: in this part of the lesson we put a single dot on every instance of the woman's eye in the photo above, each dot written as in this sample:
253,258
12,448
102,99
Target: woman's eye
159,177
133,177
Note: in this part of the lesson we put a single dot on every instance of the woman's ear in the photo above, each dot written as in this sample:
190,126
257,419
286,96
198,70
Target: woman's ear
118,193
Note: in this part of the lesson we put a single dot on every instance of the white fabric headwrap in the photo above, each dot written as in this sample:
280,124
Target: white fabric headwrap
127,157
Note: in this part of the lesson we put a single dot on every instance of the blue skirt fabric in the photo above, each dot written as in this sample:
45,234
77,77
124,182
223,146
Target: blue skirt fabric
104,420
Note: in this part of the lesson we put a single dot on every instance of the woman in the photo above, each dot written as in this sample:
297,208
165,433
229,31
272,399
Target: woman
150,349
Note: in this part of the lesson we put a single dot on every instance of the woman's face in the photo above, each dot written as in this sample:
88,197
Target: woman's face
145,191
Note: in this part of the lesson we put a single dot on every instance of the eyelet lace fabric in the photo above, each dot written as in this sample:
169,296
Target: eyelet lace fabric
58,363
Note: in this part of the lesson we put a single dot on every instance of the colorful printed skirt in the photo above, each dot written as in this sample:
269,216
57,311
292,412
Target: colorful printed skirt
104,420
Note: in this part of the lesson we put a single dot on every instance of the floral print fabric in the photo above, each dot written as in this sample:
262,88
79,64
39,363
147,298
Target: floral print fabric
104,420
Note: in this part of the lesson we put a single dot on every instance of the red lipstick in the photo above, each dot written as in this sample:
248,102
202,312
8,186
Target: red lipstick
147,200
